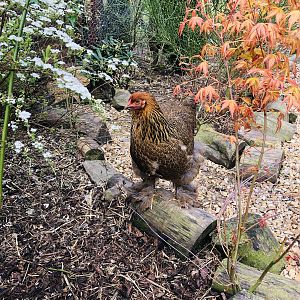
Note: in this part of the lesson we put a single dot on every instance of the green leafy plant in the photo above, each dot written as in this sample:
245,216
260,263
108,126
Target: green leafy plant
111,61
163,17
35,45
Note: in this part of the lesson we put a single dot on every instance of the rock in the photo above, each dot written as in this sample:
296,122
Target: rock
120,99
285,133
118,180
90,124
292,117
217,147
102,90
278,105
116,185
258,245
254,137
54,116
271,163
281,106
99,171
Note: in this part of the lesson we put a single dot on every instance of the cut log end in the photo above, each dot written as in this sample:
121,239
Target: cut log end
271,163
89,149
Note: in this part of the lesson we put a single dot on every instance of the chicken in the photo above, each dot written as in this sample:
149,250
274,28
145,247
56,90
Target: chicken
162,144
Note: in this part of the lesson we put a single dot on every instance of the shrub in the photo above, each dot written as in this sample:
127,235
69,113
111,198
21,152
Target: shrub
36,45
111,61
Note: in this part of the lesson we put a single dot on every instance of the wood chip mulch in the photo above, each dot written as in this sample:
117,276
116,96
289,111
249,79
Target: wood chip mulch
60,240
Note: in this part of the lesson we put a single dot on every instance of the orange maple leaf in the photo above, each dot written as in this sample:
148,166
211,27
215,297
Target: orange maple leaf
231,105
181,27
177,90
206,93
202,67
294,17
195,21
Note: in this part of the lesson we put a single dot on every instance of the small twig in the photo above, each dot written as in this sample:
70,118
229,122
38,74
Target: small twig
61,270
160,286
134,283
26,272
17,246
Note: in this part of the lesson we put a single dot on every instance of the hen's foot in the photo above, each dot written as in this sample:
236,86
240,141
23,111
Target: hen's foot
145,196
139,186
186,195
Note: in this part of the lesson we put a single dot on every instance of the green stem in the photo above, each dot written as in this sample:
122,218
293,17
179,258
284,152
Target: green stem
8,105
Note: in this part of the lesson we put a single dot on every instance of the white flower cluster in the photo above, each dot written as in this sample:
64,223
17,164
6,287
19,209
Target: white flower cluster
65,79
68,81
24,115
20,2
18,146
114,62
15,38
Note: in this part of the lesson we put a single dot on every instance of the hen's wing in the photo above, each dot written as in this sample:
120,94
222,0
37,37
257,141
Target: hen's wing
181,114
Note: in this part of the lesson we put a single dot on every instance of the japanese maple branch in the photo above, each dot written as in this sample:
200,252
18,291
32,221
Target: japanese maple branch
248,203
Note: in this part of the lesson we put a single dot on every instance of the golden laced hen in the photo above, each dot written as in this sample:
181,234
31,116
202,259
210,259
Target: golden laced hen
162,145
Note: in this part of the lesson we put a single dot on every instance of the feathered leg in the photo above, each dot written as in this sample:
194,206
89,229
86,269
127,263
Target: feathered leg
144,192
186,194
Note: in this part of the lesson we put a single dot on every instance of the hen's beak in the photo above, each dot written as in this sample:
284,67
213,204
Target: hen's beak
130,105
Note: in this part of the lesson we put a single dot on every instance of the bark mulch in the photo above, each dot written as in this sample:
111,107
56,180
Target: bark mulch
61,240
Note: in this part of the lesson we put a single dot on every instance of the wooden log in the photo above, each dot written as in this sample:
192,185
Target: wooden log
217,147
89,149
254,137
286,131
245,295
185,229
258,246
271,163
273,287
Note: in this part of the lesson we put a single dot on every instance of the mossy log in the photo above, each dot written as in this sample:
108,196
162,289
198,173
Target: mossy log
184,228
245,295
271,163
286,131
89,149
273,286
254,137
217,146
258,246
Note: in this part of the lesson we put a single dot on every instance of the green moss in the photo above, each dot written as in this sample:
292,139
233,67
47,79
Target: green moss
258,246
259,259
